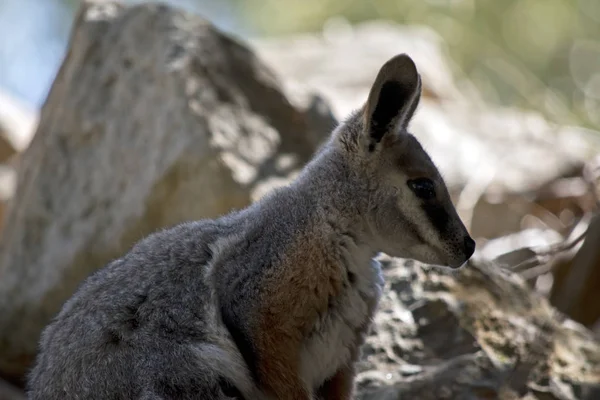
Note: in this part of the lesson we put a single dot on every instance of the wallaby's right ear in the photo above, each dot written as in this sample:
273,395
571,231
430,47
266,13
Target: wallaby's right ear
393,99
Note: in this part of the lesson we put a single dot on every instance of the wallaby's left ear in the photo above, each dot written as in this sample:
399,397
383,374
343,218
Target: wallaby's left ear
393,99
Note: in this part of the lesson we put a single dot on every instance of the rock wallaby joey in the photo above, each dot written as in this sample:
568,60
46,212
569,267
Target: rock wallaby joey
272,301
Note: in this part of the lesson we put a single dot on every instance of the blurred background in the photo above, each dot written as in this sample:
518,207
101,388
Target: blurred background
537,54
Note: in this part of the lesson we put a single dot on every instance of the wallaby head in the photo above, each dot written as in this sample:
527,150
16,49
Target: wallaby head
410,213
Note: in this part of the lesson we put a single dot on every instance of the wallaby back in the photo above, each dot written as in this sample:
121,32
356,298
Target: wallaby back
273,301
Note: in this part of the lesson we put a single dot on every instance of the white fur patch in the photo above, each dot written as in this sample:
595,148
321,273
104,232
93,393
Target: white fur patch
335,335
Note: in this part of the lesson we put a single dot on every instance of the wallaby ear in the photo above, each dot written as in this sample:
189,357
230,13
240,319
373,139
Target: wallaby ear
393,99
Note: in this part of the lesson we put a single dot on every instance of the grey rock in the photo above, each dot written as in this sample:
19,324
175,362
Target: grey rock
17,125
479,333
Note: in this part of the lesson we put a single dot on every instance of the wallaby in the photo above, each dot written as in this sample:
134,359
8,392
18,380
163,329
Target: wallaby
272,301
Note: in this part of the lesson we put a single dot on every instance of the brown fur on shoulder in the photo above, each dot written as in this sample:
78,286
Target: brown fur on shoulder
294,297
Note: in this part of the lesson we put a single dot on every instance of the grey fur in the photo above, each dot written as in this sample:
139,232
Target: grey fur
150,324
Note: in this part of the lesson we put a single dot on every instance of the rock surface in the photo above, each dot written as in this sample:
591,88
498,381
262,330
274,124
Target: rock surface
480,333
8,183
154,118
17,125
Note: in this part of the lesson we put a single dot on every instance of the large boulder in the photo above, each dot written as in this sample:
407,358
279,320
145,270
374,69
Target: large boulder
155,118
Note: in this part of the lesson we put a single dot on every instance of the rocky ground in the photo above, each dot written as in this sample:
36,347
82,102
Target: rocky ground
477,334
156,117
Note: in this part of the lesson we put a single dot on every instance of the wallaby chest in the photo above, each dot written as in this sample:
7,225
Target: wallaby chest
339,332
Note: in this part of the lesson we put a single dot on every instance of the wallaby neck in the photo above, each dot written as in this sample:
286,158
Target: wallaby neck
337,189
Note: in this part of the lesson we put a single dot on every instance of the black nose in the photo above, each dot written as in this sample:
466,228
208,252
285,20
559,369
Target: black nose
469,246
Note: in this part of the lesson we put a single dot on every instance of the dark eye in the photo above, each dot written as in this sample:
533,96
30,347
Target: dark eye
422,187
